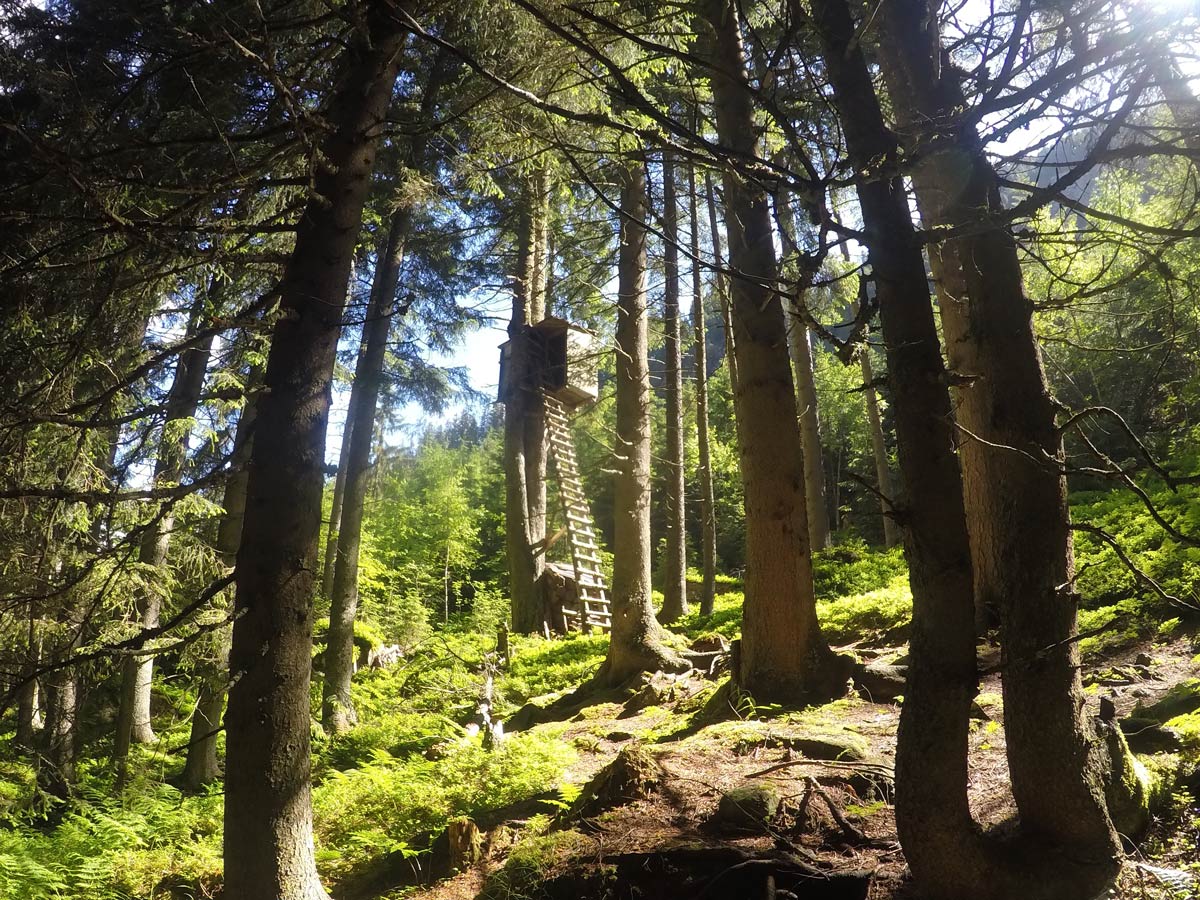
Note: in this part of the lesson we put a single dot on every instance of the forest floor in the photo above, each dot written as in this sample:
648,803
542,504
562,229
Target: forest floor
828,769
807,793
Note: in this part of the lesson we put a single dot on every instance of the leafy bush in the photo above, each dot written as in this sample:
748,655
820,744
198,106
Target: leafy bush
881,613
855,568
1105,580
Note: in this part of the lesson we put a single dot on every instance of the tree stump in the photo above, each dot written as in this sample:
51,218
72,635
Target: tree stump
466,843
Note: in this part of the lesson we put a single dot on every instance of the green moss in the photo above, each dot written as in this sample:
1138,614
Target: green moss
1188,726
1162,773
1128,790
533,860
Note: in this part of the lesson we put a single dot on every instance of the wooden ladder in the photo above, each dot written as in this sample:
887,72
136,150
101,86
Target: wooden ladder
593,609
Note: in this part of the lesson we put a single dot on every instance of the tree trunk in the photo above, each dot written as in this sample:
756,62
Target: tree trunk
56,774
943,846
784,656
721,283
201,767
524,444
708,519
137,672
338,499
800,345
675,602
883,469
535,409
1055,755
636,644
337,710
268,807
27,700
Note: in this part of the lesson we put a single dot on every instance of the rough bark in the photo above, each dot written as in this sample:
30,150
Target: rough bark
708,520
636,643
944,848
879,450
268,800
524,444
137,673
933,817
800,346
337,710
784,655
536,448
1056,757
201,767
675,602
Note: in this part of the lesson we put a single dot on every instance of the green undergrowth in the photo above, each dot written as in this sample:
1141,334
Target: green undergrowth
861,593
379,807
412,762
537,857
1116,601
540,666
137,846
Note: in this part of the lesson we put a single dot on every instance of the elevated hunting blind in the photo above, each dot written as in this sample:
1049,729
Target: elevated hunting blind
554,357
556,361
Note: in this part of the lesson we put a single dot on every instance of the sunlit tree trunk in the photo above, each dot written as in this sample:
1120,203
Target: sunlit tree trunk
784,656
137,673
800,345
535,410
268,807
28,712
879,450
636,643
1055,756
721,282
201,767
337,501
675,568
943,846
708,520
524,442
337,710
